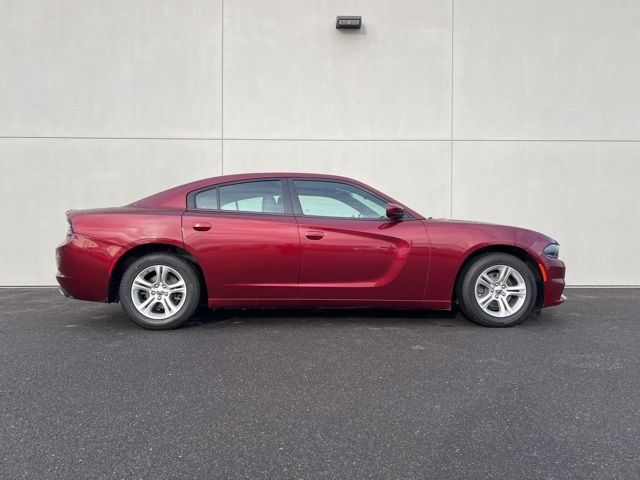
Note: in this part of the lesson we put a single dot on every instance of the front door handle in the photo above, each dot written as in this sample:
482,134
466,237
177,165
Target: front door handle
201,227
314,235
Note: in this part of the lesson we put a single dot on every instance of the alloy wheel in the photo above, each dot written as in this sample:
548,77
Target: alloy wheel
500,291
159,292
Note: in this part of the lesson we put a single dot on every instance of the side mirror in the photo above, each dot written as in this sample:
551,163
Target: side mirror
394,211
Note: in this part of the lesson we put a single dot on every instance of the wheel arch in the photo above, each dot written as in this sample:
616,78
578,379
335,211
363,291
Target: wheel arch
140,251
514,250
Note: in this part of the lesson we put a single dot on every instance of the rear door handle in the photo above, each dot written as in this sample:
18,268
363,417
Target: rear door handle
202,227
314,235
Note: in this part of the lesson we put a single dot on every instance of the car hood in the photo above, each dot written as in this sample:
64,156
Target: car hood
520,236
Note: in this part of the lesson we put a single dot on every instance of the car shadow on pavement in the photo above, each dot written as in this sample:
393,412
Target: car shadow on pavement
112,317
278,316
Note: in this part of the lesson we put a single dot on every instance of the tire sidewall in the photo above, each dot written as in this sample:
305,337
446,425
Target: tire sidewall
183,267
467,294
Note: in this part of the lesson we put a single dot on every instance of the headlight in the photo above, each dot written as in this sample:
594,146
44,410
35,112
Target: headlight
552,250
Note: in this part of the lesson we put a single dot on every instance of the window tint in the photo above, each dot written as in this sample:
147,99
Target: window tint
341,200
207,199
264,196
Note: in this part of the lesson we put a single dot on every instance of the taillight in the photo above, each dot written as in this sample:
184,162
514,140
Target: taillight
70,228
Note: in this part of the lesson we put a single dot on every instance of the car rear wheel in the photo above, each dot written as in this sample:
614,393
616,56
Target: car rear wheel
497,290
160,291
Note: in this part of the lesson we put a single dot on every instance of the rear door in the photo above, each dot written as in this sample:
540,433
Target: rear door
351,253
246,238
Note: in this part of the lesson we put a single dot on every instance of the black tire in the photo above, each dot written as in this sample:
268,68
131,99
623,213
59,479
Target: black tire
191,296
467,292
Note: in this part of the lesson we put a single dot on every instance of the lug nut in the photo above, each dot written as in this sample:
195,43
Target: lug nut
153,292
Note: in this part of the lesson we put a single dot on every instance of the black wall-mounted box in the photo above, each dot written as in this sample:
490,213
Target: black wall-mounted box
348,22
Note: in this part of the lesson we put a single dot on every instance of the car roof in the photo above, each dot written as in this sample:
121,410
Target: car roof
176,197
258,175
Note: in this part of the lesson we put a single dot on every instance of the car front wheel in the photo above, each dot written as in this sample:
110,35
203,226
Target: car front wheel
497,290
160,291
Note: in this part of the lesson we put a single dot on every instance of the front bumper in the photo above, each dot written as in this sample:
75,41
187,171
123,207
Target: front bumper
554,270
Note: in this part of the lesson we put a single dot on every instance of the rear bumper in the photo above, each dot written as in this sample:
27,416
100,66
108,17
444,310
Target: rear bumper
63,292
84,267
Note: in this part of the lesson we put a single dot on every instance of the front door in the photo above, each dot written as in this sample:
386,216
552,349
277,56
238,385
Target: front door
351,251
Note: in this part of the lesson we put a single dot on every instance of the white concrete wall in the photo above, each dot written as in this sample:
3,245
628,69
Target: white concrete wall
513,111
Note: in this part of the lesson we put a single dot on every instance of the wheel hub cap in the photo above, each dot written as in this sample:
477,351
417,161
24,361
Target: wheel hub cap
159,292
500,291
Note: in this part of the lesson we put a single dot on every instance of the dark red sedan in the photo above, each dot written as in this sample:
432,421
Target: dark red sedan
300,240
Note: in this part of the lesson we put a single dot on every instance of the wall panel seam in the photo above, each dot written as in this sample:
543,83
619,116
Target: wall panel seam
262,139
451,106
222,87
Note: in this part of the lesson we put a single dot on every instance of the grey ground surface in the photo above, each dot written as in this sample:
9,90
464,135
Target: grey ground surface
319,394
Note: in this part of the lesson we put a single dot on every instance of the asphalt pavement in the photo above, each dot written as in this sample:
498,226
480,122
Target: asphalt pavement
325,394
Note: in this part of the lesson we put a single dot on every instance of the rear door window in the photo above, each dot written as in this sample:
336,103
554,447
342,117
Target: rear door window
261,196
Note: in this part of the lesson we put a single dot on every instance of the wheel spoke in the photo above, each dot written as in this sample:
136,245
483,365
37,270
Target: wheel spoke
147,305
516,291
178,287
505,308
169,307
485,280
141,284
505,272
485,301
165,273
161,274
